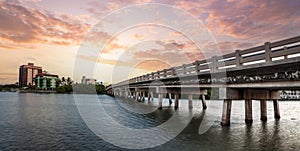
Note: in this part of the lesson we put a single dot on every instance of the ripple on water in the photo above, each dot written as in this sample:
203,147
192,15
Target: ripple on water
52,122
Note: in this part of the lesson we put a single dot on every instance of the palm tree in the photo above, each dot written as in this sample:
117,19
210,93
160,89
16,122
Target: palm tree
58,82
69,81
63,80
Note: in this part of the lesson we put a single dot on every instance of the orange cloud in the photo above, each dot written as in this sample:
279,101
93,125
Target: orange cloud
105,61
174,33
138,36
23,25
112,46
153,65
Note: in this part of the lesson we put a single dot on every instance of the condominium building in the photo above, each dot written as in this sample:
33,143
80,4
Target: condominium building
27,73
46,81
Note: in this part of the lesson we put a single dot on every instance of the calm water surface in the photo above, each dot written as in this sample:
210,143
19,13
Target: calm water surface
52,122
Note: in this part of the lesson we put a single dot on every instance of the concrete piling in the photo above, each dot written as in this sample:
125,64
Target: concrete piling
248,111
176,101
190,99
203,102
160,101
263,110
276,109
226,112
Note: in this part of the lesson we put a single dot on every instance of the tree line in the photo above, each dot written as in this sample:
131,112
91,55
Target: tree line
63,85
68,86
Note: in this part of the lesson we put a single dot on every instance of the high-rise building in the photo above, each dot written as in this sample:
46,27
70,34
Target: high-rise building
27,74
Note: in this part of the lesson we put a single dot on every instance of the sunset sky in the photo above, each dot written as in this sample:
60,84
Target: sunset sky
58,34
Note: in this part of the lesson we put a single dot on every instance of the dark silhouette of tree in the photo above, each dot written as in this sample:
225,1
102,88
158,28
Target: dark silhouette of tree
69,81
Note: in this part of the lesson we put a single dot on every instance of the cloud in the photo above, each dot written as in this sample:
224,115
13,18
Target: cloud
138,36
153,65
141,63
175,33
34,1
9,47
230,46
165,55
104,61
172,53
239,21
112,47
100,9
24,25
255,19
171,45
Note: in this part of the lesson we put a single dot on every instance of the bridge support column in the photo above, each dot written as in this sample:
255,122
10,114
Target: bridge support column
149,96
136,96
143,96
263,110
176,101
276,109
248,111
190,98
226,112
170,98
139,96
160,101
152,96
203,102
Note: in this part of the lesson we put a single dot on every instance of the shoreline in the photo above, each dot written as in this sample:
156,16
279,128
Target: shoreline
38,91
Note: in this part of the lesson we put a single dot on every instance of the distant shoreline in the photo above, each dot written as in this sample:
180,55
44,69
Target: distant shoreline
37,91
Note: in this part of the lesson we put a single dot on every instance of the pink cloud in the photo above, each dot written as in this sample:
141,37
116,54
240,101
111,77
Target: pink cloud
23,25
265,20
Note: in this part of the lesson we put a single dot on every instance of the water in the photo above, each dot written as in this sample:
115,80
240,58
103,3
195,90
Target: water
52,122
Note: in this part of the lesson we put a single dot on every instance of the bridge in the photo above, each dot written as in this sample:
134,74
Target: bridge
257,73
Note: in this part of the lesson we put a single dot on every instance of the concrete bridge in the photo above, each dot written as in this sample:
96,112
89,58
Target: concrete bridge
257,73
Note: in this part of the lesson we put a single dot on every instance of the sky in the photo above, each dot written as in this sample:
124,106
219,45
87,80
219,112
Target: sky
113,40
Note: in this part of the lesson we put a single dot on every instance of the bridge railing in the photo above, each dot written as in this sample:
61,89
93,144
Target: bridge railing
267,53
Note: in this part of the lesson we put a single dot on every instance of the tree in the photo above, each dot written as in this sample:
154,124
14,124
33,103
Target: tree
64,89
60,89
100,88
58,82
63,79
69,81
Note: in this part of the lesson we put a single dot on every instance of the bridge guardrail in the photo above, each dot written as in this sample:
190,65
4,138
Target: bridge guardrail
279,50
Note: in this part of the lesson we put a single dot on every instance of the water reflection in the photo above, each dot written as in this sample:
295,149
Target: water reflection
43,122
